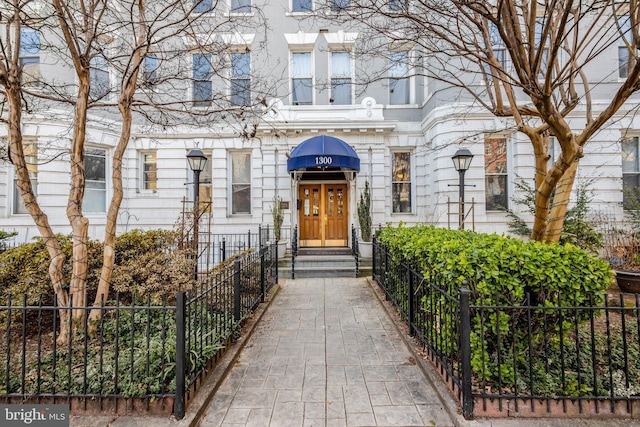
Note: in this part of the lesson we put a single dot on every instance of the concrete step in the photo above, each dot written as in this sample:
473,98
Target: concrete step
312,266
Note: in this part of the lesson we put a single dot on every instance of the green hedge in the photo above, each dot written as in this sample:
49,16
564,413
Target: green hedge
501,266
500,271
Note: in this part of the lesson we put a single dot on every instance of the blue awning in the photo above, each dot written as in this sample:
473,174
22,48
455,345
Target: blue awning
321,152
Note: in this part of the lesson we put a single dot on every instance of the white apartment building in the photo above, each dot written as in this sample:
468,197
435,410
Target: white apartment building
320,138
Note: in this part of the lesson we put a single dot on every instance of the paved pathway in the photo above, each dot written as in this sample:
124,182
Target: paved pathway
325,354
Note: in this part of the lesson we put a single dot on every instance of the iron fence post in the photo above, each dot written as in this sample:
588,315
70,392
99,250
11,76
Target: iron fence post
354,248
236,290
374,243
249,239
465,351
385,269
262,273
412,310
181,359
223,250
259,236
294,251
273,247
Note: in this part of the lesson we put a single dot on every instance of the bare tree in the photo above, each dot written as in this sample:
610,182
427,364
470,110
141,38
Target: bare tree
89,36
532,62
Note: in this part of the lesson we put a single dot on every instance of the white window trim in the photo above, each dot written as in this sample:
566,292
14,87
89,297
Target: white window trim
141,189
107,182
352,64
191,87
111,78
230,185
412,80
291,12
313,75
208,13
509,142
412,181
239,43
241,14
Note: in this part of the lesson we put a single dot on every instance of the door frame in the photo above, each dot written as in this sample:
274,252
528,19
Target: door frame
323,241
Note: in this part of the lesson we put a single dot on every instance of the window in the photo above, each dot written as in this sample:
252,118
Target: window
630,168
99,77
302,78
240,6
341,78
240,183
401,182
398,80
540,27
202,73
497,47
340,5
149,171
29,54
203,6
302,6
240,78
495,171
150,70
554,151
30,150
95,192
398,5
206,185
624,42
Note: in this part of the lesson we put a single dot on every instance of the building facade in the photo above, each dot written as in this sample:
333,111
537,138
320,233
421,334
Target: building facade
398,133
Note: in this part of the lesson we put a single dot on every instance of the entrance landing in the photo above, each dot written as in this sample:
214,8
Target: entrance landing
323,251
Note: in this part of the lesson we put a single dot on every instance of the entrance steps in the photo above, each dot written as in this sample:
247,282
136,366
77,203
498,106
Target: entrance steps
323,263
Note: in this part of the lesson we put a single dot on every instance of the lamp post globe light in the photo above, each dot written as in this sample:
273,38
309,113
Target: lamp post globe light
461,161
197,162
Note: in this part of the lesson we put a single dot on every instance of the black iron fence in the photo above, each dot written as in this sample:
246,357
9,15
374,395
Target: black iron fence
355,251
523,358
145,354
215,248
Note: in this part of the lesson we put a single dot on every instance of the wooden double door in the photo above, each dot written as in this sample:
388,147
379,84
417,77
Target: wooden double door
323,214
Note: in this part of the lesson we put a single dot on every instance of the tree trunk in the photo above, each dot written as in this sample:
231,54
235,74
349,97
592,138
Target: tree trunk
56,255
561,203
110,228
79,224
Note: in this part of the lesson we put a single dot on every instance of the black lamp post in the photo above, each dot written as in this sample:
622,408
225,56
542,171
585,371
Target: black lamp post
462,161
197,162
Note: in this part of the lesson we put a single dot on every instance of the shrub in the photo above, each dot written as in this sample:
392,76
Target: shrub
501,271
146,262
